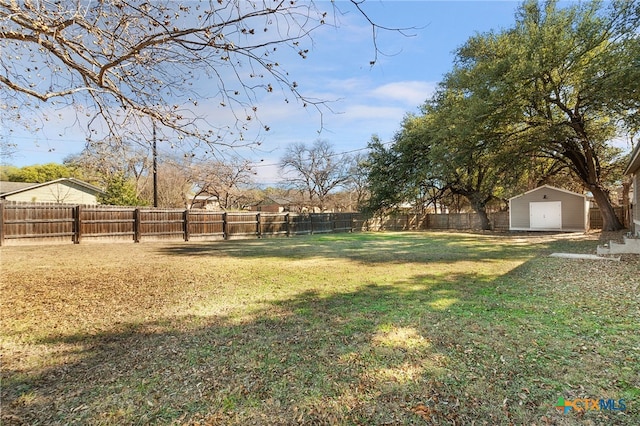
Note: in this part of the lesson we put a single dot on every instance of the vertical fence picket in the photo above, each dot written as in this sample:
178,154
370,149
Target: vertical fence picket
185,218
77,222
225,226
136,226
287,225
1,223
258,226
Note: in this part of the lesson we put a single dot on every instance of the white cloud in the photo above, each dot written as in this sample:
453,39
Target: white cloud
370,112
410,92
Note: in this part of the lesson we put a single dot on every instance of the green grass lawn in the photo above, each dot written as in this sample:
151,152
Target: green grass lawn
351,329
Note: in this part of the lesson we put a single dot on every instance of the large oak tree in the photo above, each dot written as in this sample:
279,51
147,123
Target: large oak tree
550,94
571,79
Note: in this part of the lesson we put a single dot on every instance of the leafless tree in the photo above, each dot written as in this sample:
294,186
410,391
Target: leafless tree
124,64
7,150
357,184
226,181
315,170
100,162
173,182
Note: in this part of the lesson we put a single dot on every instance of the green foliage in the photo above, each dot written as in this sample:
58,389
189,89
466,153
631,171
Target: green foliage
471,147
383,176
530,103
40,173
6,171
454,148
559,71
402,172
120,191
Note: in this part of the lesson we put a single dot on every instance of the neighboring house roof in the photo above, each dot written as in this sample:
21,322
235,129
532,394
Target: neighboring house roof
275,200
11,188
634,163
204,197
549,187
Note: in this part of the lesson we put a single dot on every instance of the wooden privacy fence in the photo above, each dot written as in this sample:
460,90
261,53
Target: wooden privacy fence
459,221
596,221
60,222
63,222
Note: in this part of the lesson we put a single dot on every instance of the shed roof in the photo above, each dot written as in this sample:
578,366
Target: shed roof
549,187
634,162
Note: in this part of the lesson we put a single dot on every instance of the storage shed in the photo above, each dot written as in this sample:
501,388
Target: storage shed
633,169
547,208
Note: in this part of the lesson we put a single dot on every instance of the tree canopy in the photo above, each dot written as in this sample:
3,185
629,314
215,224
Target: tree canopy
40,173
561,70
120,191
547,95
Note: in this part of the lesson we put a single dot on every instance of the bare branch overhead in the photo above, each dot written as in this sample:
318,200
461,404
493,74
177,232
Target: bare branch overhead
123,63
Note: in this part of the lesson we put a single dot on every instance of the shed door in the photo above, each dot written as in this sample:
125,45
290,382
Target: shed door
545,215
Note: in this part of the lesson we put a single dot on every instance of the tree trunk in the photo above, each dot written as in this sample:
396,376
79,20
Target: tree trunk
626,202
609,218
481,208
479,204
586,166
484,219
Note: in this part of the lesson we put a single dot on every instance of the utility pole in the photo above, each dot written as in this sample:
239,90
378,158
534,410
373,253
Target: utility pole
155,168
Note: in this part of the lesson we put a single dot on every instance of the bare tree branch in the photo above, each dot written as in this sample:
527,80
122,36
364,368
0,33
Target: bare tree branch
129,62
315,170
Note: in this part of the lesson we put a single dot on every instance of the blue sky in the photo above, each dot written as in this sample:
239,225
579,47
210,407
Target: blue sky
365,100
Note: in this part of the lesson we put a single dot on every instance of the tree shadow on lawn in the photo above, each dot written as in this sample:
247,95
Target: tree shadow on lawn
367,247
411,352
363,357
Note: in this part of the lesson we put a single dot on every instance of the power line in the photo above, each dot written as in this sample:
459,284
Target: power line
332,155
37,140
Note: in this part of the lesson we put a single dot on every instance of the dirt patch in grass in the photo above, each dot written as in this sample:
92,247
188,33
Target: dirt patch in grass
411,328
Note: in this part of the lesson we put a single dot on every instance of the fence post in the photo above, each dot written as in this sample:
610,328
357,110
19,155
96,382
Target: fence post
1,223
77,233
311,223
136,225
225,227
287,225
258,226
185,221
